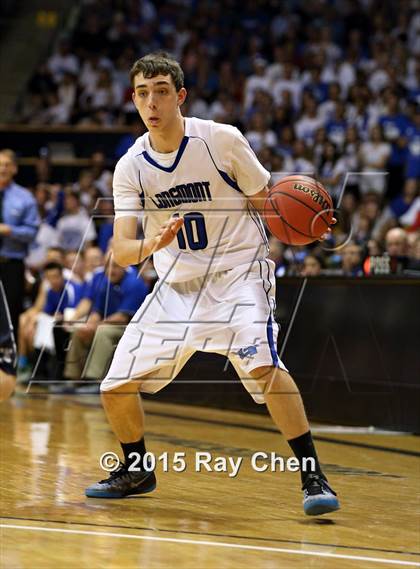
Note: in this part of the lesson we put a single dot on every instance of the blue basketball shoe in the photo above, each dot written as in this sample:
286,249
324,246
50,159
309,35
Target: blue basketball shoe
122,483
318,496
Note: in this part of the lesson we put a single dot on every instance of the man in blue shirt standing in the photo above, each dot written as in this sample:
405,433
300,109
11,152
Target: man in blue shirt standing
19,222
117,299
394,125
7,350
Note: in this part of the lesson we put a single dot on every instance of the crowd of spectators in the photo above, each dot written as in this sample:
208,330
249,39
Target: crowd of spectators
328,89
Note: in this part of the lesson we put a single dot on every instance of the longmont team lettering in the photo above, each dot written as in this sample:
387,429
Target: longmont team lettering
183,193
315,195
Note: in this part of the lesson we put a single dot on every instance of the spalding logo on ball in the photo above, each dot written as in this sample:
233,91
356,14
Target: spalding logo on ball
298,210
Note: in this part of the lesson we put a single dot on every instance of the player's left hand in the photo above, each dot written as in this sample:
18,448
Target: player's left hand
328,232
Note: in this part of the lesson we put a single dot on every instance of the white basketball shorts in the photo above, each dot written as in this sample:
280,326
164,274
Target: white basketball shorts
228,313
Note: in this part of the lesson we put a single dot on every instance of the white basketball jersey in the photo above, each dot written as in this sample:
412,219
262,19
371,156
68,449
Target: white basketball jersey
206,181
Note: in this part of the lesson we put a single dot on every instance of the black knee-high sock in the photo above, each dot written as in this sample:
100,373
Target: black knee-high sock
303,447
138,448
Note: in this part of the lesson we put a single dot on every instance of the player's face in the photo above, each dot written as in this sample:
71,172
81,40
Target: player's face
157,101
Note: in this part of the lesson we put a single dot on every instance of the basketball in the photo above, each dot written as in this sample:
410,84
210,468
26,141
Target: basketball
298,210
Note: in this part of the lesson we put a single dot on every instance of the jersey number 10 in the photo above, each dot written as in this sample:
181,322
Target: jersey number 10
195,231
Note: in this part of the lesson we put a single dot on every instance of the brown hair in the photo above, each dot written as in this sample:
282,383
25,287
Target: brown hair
159,63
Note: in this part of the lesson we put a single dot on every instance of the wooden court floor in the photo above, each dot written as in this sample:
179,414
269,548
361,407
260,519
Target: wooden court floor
50,448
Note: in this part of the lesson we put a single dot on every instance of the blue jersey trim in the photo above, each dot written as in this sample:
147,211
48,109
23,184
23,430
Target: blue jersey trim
178,157
270,337
225,177
142,191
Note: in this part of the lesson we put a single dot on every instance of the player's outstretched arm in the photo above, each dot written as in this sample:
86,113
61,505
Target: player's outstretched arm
131,251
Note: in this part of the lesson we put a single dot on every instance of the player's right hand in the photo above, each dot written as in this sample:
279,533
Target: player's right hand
168,232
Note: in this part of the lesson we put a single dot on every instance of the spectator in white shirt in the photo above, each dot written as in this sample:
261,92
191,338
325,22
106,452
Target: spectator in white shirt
301,159
259,135
63,61
310,122
332,170
373,157
326,110
256,82
290,82
75,228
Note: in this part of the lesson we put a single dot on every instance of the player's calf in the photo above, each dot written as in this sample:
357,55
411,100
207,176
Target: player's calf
7,385
286,408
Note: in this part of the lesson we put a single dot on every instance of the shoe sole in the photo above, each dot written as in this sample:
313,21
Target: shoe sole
99,494
322,507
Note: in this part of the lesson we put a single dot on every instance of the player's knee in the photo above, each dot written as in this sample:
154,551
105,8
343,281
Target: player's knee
115,387
271,379
263,373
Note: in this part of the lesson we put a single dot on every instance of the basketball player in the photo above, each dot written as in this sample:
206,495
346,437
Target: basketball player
200,188
7,350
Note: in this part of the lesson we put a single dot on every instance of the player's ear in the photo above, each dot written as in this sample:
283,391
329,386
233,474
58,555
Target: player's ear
182,95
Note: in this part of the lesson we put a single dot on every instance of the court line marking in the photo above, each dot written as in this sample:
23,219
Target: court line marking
217,544
214,534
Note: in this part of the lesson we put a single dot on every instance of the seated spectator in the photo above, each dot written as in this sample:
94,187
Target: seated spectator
102,176
332,170
104,221
312,266
288,84
63,61
94,277
326,110
256,82
301,159
396,242
58,295
62,293
260,135
394,125
412,133
93,259
373,157
118,299
310,122
351,260
75,227
414,252
337,126
74,263
277,255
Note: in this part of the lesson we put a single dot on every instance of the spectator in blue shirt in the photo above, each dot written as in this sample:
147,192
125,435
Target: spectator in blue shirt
19,221
394,125
412,133
59,294
117,299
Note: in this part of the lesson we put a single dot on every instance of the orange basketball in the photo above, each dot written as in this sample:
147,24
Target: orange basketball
298,210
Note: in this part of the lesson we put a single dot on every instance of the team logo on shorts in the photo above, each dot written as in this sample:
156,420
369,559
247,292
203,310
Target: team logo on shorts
247,352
